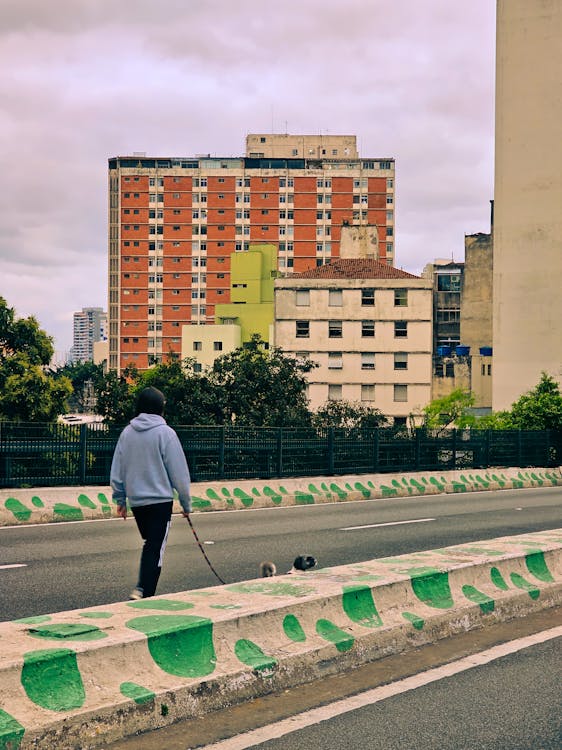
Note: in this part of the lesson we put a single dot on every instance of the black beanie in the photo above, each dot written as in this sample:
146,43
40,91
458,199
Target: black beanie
150,401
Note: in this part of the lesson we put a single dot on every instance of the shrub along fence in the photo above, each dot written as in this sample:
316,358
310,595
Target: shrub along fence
58,454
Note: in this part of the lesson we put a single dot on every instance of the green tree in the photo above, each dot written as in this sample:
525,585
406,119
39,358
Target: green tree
28,392
83,376
449,411
114,396
348,415
540,408
261,388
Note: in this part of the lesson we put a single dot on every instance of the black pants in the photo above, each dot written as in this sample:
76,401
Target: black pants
153,522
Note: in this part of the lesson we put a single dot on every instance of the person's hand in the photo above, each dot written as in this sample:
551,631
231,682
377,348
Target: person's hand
122,511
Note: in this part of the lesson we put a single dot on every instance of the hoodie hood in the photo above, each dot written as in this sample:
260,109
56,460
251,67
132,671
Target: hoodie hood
147,422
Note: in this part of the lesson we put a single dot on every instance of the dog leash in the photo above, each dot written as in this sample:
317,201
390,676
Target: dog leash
203,551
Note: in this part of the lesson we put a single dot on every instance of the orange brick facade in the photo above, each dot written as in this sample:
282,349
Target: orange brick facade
172,229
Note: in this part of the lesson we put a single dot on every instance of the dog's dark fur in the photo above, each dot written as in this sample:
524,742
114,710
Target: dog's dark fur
300,564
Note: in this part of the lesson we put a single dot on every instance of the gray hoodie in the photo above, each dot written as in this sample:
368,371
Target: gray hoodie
149,463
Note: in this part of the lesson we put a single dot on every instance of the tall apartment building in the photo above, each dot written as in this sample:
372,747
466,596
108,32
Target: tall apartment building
368,328
89,326
528,198
174,223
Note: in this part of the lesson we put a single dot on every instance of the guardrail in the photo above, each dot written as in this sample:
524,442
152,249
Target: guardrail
58,454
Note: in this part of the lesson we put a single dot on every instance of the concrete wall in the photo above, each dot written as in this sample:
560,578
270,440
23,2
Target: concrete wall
528,198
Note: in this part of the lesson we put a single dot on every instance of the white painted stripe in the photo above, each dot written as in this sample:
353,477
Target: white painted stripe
369,697
163,547
389,523
14,565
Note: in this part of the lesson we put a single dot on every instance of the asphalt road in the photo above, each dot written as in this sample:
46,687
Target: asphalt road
82,564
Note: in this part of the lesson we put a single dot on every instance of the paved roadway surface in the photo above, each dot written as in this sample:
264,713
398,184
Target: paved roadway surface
82,564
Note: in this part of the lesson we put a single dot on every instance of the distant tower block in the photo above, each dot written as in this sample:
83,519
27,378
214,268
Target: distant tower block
359,242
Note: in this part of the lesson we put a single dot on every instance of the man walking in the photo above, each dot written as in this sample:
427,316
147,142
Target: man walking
148,464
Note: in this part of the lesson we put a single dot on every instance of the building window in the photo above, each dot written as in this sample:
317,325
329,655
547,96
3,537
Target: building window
400,329
302,297
217,346
400,361
400,298
335,297
302,329
367,297
334,392
400,392
197,367
335,361
367,393
385,165
335,329
197,346
367,328
448,282
367,360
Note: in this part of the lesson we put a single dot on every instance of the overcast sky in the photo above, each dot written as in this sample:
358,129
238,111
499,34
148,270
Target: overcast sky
84,80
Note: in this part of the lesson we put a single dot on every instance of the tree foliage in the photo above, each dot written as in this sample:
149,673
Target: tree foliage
540,408
347,415
449,411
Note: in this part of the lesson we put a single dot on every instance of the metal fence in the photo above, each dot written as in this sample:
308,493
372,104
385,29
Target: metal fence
39,455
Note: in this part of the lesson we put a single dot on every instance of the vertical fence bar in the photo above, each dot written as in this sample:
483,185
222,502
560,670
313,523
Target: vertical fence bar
279,452
519,448
221,453
417,450
487,441
330,450
375,461
83,455
454,449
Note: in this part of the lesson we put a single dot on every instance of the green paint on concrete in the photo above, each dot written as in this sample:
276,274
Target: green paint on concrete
365,491
68,632
537,567
34,620
436,483
517,483
213,495
522,583
371,485
246,500
552,477
359,606
225,606
431,586
388,491
138,693
225,491
368,577
329,632
37,502
485,483
274,496
314,489
11,732
416,620
459,486
303,498
52,680
500,481
283,490
480,551
65,512
417,486
200,502
537,479
255,491
348,486
250,654
102,498
272,589
181,645
166,605
342,494
15,506
485,603
97,615
293,629
85,502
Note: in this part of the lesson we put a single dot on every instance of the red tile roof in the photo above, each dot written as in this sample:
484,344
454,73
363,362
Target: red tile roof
354,268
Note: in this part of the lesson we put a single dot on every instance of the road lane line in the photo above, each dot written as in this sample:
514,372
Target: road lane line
369,697
14,565
389,523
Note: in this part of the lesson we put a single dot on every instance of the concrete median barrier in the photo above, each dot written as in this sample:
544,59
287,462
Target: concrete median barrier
83,678
47,505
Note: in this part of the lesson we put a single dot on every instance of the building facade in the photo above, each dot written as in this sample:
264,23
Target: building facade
175,222
367,326
89,327
528,198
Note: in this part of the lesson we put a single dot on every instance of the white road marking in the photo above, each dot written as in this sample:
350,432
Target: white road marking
14,565
369,697
388,523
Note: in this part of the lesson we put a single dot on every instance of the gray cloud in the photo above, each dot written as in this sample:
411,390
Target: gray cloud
88,79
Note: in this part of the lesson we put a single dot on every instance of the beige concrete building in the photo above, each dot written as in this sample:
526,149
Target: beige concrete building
368,327
528,197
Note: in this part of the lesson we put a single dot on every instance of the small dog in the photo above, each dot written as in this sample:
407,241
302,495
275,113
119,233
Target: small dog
300,564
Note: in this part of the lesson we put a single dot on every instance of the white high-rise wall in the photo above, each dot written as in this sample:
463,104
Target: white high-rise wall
90,326
528,197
